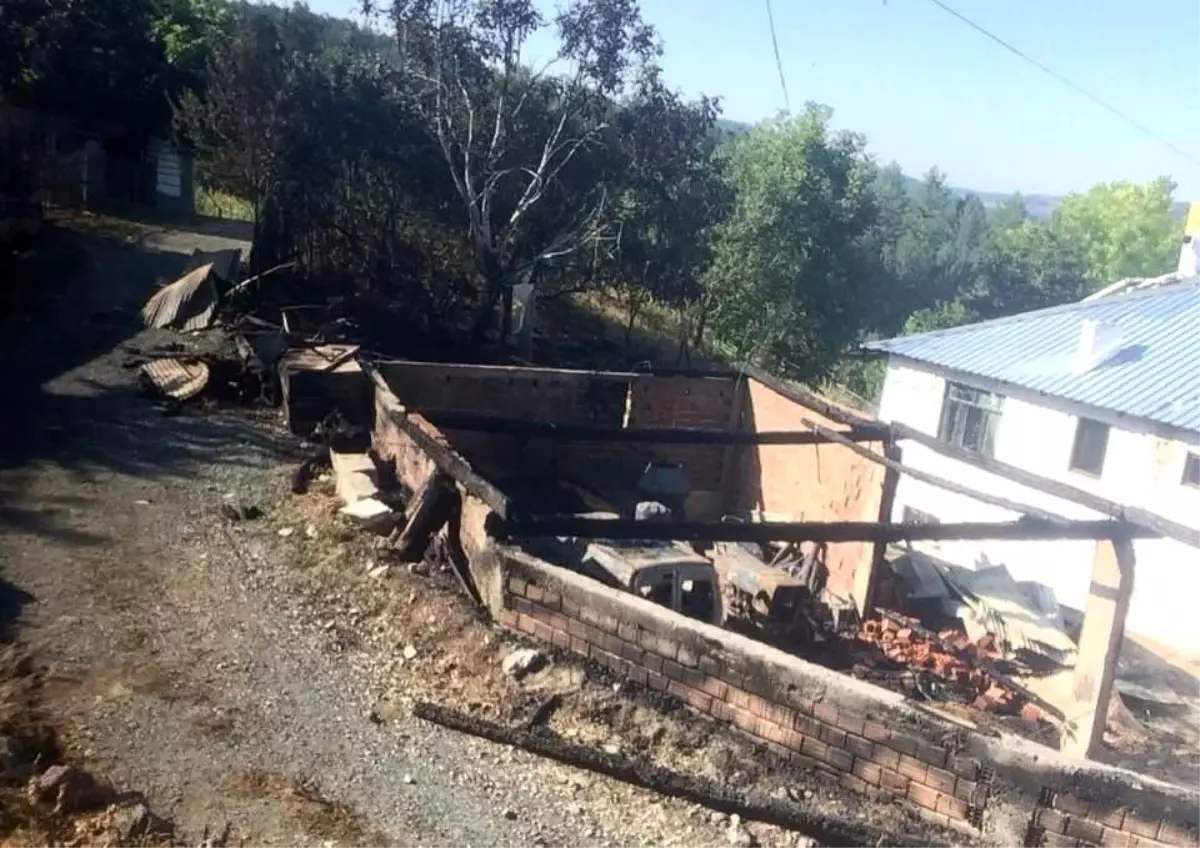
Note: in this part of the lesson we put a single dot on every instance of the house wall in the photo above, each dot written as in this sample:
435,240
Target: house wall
1139,470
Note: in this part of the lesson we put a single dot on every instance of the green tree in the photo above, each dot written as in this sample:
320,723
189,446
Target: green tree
785,280
1122,229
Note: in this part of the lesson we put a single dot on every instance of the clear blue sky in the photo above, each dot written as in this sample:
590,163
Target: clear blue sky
927,90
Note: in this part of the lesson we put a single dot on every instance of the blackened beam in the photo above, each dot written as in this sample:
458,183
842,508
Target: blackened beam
454,465
443,457
1025,529
1134,515
940,482
678,436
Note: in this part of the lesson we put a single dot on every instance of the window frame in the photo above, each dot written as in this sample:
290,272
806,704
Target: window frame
958,402
1078,444
1191,463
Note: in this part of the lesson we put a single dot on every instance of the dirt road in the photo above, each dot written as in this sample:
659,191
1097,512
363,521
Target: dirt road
173,663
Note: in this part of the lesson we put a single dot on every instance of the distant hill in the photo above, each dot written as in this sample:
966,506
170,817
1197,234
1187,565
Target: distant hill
1039,206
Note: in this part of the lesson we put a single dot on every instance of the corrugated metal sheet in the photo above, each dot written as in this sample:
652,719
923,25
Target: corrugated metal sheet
1154,375
177,378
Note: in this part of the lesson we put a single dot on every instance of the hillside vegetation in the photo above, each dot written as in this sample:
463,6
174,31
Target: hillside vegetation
421,165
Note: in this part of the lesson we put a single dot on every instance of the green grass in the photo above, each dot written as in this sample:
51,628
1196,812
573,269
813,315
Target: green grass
214,203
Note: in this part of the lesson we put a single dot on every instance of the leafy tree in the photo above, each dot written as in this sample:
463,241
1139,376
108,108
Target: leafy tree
667,198
786,287
106,64
1123,230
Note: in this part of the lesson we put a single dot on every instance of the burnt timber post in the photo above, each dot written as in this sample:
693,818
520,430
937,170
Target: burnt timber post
1099,646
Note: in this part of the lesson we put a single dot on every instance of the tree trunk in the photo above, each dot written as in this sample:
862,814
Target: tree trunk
506,316
494,276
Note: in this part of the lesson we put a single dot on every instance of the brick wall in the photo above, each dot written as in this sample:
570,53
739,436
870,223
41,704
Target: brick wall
572,397
535,394
1062,819
869,740
824,482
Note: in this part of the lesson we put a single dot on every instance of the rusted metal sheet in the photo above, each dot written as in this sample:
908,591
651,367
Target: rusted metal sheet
176,378
186,304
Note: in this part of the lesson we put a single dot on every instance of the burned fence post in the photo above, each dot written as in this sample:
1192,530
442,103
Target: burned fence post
432,506
1099,646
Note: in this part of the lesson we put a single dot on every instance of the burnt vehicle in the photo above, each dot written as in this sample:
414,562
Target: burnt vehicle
669,574
763,598
666,573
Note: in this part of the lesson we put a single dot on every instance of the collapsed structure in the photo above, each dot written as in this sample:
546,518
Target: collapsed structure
641,519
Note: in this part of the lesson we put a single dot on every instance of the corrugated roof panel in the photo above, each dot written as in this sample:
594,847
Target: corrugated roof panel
1155,374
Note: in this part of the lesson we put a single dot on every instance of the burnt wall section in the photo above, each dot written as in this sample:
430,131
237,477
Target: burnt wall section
614,400
869,740
820,482
855,734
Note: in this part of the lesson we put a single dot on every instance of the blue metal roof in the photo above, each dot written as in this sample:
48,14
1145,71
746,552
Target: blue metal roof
1155,374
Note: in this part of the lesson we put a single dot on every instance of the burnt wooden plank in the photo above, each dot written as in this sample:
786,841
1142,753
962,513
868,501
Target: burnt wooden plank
813,531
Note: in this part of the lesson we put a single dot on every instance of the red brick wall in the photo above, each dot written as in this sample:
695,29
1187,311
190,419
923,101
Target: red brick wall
535,394
572,397
792,717
866,739
1065,820
824,482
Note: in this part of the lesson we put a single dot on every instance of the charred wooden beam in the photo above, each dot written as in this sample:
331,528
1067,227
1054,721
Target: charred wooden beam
1134,515
676,436
826,829
447,460
545,526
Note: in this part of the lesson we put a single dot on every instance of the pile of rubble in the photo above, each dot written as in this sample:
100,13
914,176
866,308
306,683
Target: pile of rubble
946,666
305,360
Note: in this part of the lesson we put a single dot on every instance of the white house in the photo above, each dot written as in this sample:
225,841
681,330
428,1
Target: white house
1103,395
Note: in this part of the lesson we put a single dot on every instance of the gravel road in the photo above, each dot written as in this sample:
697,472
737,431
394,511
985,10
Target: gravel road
174,663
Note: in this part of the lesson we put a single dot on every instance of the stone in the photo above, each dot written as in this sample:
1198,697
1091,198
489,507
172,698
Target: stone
311,531
408,779
379,571
134,821
522,662
286,531
410,651
716,817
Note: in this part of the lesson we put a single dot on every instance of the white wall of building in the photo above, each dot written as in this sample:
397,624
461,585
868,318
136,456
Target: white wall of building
1139,470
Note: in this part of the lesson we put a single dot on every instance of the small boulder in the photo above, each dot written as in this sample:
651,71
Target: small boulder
522,662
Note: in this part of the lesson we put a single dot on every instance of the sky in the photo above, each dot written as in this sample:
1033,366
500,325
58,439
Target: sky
927,90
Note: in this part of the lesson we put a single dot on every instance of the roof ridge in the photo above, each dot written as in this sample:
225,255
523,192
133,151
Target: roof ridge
1021,317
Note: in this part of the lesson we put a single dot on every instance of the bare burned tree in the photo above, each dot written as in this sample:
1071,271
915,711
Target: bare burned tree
514,137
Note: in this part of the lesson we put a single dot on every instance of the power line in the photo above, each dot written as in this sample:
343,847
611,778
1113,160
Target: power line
778,62
1133,122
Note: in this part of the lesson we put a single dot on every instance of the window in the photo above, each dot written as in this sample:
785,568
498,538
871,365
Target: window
1091,443
970,418
1191,471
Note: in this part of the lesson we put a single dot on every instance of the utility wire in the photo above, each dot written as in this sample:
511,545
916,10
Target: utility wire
778,62
1133,122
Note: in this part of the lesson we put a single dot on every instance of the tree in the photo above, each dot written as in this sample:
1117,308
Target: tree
786,287
509,135
106,64
1123,230
667,198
